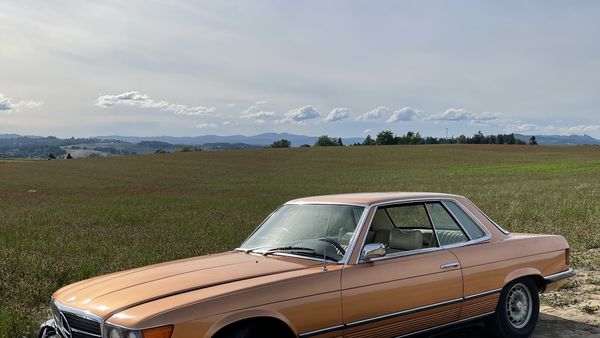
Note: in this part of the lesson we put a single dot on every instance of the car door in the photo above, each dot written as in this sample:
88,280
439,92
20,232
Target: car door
417,285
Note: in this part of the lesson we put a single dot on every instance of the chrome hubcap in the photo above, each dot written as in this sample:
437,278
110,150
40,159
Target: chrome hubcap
519,306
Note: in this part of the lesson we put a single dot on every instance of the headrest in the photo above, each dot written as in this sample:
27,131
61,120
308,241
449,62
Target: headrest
406,239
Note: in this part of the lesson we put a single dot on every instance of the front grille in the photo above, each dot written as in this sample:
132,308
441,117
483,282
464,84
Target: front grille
82,327
71,325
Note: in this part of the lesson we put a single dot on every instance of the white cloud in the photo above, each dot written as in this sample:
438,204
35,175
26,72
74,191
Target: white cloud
520,126
206,125
338,114
581,129
458,114
374,114
226,123
367,131
261,102
254,112
134,98
7,106
301,114
404,115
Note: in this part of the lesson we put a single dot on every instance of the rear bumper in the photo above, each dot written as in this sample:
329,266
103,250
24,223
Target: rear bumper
556,280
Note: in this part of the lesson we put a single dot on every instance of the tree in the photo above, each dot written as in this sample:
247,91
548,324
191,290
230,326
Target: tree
462,139
532,141
385,137
305,146
369,141
326,141
69,157
187,149
339,141
51,156
283,143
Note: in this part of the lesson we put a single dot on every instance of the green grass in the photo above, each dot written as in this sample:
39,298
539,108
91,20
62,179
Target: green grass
62,221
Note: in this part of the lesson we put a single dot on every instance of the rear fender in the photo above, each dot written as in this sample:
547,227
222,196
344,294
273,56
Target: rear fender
523,272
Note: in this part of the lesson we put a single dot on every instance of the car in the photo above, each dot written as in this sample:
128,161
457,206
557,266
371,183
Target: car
347,265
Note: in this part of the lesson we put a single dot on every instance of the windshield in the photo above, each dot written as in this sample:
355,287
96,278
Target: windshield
307,230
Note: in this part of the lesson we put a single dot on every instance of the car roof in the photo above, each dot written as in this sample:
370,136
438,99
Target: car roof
370,198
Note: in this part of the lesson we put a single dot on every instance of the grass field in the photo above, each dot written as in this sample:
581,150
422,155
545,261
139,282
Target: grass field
62,221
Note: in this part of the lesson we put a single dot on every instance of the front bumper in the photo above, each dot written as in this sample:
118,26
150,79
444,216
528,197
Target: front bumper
48,330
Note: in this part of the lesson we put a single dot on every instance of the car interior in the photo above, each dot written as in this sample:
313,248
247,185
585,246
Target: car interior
409,227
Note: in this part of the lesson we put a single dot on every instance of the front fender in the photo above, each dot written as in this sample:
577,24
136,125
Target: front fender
247,314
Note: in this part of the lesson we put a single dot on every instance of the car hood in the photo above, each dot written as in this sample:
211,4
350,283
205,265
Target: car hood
109,294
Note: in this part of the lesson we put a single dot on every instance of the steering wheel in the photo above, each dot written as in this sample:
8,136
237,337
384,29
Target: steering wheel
340,250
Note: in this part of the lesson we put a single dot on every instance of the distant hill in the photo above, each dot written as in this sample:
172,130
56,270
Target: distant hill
561,139
257,140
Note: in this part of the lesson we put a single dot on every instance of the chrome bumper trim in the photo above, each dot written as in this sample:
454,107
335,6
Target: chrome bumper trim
47,329
560,276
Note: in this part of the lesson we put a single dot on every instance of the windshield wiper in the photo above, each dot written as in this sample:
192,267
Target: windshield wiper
285,248
298,251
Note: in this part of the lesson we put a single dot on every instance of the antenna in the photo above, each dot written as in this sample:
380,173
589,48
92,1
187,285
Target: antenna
325,244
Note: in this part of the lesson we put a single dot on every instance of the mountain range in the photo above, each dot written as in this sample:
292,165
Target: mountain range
257,140
561,139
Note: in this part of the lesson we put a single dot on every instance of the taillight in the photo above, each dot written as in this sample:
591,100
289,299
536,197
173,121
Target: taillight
568,256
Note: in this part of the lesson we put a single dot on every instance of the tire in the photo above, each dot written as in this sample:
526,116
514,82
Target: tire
517,311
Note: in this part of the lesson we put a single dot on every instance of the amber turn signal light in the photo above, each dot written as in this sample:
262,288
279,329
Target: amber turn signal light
158,332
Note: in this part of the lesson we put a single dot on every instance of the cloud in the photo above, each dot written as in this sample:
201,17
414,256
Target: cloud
338,114
374,114
520,126
301,114
261,102
254,112
404,115
206,125
367,131
7,106
581,129
134,98
457,114
226,123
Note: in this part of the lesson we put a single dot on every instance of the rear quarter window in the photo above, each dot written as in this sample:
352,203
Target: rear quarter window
472,229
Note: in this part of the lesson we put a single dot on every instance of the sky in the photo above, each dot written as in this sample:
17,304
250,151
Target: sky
342,68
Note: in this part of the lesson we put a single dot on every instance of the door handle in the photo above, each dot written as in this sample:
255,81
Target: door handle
452,265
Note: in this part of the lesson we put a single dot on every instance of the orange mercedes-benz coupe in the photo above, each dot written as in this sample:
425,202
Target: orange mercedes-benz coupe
354,265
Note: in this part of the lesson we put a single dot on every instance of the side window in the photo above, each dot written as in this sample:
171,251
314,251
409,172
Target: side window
447,230
471,228
401,228
411,216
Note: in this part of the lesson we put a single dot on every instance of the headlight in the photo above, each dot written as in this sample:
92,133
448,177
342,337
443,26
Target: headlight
120,332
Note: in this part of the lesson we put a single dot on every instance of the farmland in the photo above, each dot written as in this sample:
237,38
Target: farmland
63,221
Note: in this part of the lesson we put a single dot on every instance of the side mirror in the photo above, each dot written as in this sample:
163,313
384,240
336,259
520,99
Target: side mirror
371,251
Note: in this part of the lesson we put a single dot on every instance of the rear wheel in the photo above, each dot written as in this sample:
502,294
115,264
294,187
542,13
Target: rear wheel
517,311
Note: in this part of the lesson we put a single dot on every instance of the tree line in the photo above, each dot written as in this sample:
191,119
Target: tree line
387,137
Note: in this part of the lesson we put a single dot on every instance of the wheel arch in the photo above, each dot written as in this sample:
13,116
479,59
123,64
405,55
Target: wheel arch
532,273
248,317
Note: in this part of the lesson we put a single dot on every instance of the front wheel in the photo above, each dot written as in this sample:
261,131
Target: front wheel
517,311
